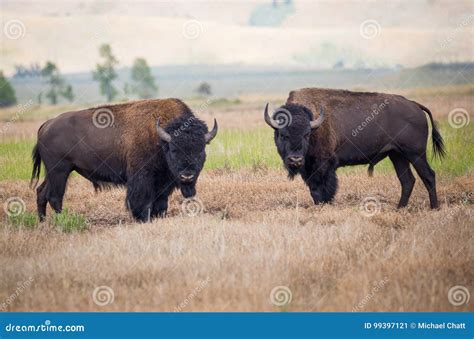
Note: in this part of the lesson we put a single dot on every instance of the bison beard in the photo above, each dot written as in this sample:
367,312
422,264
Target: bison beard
136,152
361,128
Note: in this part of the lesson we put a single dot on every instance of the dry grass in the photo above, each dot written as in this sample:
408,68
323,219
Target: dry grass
258,231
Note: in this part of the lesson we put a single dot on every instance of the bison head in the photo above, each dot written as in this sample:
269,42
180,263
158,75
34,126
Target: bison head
293,124
184,142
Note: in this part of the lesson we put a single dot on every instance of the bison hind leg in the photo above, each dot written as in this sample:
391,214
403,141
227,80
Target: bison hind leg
57,181
427,175
404,174
42,199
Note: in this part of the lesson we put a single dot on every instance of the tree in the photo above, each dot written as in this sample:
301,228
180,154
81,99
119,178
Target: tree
7,93
57,84
105,73
204,89
143,81
68,93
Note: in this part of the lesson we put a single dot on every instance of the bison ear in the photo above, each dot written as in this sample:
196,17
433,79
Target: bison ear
212,134
162,134
317,123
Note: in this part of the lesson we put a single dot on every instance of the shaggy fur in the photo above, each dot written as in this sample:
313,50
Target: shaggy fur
359,128
127,151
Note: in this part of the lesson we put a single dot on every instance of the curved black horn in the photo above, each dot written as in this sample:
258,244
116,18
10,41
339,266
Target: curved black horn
162,133
269,120
316,123
212,134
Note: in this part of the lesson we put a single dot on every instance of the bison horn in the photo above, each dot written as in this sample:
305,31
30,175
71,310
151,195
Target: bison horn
211,135
162,133
272,123
316,123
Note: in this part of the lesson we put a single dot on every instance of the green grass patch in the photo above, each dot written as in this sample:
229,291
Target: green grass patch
69,221
26,219
254,148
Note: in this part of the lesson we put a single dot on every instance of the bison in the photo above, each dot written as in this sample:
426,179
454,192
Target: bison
151,147
358,128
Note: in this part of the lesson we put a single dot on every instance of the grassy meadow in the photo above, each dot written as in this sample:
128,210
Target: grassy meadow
237,149
256,231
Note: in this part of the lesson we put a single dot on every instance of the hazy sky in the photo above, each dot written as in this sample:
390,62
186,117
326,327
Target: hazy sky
300,34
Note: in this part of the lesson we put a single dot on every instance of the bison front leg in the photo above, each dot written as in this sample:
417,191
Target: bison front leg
140,198
323,188
160,206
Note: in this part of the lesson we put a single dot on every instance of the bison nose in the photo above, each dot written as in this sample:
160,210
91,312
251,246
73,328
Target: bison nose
186,178
295,160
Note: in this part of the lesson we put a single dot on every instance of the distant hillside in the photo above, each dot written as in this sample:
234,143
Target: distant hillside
234,80
310,35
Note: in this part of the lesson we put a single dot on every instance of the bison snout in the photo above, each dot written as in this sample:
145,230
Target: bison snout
295,161
186,178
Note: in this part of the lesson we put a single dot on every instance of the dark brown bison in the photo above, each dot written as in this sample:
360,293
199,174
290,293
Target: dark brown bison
151,146
319,130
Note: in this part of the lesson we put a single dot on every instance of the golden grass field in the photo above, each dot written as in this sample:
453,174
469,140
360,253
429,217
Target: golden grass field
257,233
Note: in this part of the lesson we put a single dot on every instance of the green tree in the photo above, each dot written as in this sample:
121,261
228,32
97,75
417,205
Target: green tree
57,86
204,89
68,93
7,93
105,72
143,81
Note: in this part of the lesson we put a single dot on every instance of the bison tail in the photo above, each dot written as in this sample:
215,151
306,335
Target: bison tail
36,167
438,143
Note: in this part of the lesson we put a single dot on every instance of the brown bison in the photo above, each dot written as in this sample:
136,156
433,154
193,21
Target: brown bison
151,147
358,128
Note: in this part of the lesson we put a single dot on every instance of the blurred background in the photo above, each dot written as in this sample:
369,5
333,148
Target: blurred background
96,51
